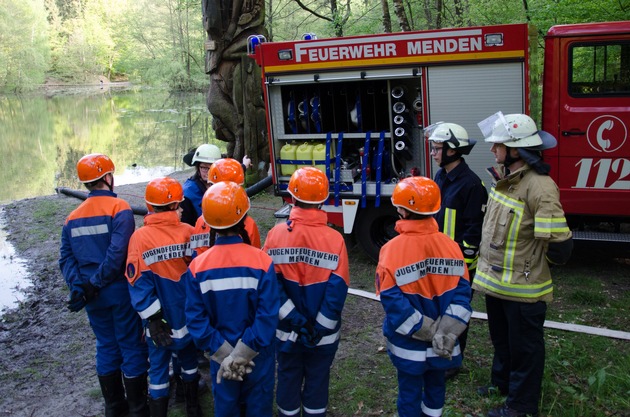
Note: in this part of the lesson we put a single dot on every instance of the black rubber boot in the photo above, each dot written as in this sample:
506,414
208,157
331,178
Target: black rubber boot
180,397
158,407
191,390
137,396
114,394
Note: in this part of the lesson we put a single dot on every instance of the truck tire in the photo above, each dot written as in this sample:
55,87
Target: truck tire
374,227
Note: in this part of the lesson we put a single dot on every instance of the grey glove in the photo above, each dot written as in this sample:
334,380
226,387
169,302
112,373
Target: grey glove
446,335
427,330
238,363
222,353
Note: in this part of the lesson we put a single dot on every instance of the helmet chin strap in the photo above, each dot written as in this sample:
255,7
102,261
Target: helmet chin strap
446,159
110,184
509,160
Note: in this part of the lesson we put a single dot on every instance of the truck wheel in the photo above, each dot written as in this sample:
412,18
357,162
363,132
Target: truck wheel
374,227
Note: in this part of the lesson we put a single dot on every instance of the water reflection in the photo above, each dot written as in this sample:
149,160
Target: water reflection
42,138
13,279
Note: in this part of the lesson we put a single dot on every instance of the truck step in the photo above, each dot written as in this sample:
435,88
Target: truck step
601,236
283,212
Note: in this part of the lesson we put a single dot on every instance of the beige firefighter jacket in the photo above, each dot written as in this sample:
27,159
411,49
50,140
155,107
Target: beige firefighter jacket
522,216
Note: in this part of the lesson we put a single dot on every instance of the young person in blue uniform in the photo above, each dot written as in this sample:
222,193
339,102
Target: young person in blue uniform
423,284
232,308
159,253
225,169
92,260
312,266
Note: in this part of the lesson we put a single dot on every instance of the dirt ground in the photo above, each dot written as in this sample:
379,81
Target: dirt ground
47,365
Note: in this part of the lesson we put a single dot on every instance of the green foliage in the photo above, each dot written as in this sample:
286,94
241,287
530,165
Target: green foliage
24,50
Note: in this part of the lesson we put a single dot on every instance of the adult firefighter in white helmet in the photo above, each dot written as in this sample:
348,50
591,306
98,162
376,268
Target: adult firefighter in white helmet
463,197
195,186
524,230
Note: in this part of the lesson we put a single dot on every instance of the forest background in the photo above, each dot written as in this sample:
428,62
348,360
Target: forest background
161,43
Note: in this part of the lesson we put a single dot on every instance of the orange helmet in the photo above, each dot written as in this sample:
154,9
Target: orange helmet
309,185
163,191
420,195
226,169
93,167
224,204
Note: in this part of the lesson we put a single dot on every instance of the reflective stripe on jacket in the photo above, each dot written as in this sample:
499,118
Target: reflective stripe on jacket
94,240
461,213
312,266
523,215
420,272
159,253
232,294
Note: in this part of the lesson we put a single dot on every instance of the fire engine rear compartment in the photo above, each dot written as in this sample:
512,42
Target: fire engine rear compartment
367,133
358,132
361,119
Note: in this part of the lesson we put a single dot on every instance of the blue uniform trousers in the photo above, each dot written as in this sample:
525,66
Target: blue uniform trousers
303,380
421,395
160,358
516,330
254,393
118,331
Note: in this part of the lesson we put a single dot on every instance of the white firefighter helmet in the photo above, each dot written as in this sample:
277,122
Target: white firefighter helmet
207,154
452,135
516,131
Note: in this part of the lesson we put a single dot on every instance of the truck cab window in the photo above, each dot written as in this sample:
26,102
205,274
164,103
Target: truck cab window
599,69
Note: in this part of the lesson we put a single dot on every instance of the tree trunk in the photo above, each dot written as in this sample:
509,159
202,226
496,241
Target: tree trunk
399,9
235,95
387,20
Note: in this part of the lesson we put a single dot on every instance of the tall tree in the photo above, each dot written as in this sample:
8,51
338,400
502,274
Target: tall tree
399,9
235,96
24,49
387,20
337,18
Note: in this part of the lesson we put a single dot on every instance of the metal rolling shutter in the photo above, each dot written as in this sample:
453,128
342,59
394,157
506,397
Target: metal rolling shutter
467,94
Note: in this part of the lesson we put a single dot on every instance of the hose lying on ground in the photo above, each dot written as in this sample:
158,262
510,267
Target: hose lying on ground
142,210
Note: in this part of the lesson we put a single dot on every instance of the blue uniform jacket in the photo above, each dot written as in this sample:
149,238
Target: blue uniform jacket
94,240
420,273
194,191
158,257
463,198
232,294
312,266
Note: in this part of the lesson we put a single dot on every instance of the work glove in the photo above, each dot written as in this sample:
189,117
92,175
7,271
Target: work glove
237,364
222,353
309,337
81,295
446,335
76,301
559,253
471,254
159,330
297,322
427,330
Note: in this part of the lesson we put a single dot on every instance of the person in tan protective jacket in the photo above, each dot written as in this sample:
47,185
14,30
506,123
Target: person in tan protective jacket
524,230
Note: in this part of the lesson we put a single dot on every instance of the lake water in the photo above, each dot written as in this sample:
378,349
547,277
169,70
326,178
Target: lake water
145,132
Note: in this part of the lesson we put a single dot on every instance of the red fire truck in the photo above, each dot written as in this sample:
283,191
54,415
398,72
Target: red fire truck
356,108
